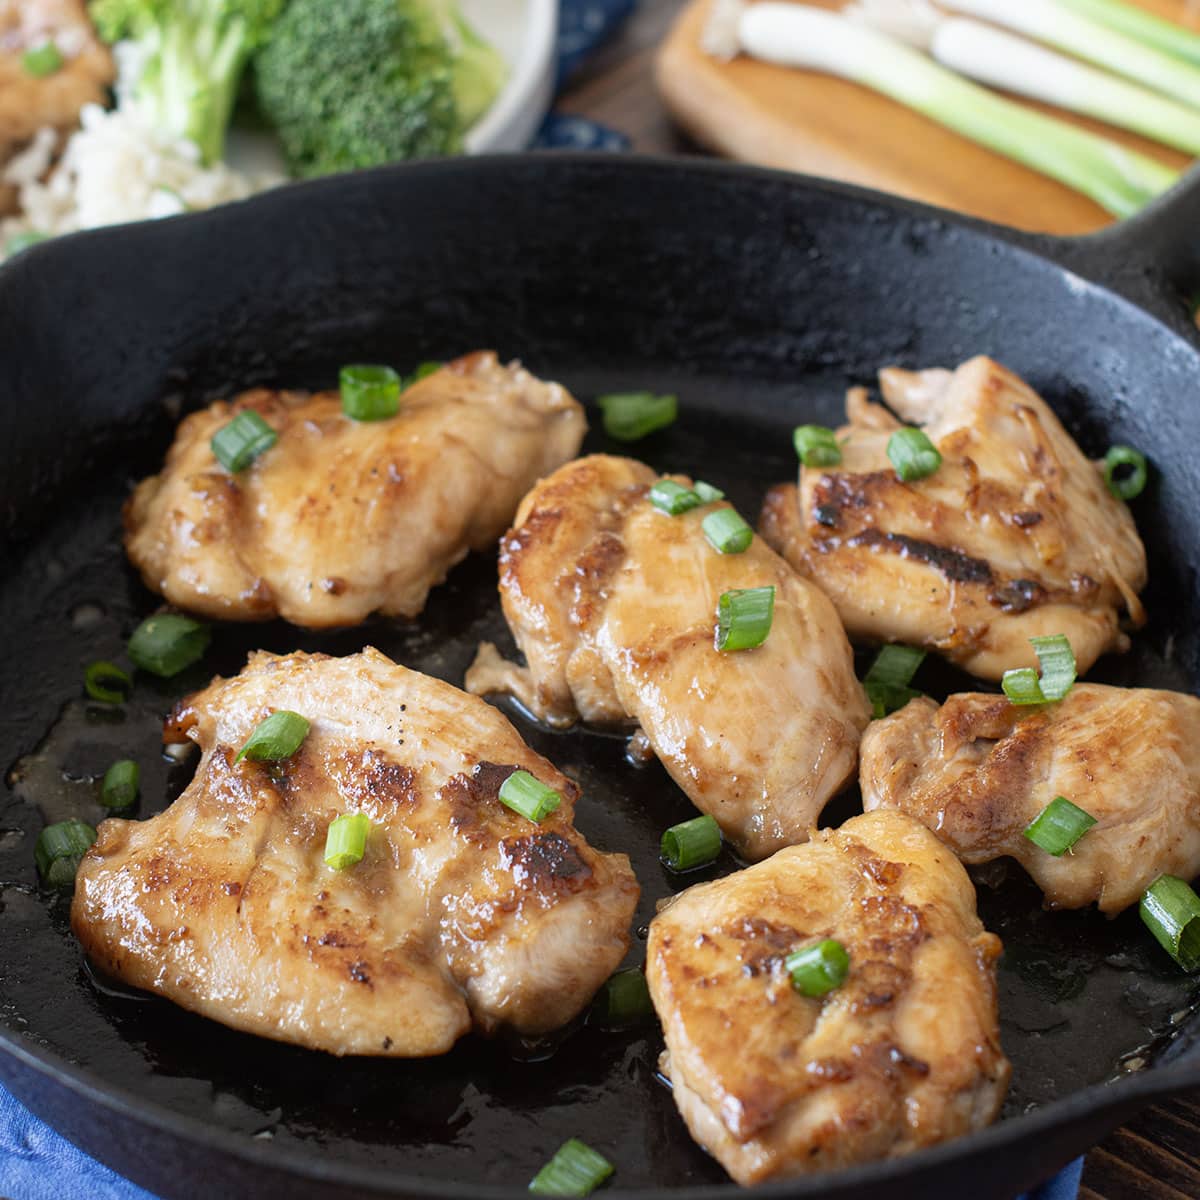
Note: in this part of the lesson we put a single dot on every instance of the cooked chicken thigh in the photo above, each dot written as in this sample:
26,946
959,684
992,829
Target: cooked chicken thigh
904,1054
342,518
1014,536
614,605
978,770
461,914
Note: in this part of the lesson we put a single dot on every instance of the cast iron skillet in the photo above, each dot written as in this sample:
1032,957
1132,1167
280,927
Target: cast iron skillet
757,297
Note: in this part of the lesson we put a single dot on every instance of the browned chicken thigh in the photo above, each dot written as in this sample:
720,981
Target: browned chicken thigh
343,518
1014,536
904,1054
614,605
461,914
978,770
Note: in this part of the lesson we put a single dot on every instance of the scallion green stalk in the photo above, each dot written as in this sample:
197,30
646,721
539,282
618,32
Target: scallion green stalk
1142,25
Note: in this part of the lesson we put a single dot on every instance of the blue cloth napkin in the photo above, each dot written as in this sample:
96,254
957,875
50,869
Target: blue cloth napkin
38,1164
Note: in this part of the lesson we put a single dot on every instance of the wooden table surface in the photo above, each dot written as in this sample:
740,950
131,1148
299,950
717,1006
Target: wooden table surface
1157,1155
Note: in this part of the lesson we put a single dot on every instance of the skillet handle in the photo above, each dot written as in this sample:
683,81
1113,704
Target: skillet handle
1152,258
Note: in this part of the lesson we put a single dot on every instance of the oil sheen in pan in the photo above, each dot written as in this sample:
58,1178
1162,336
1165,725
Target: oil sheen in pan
474,1112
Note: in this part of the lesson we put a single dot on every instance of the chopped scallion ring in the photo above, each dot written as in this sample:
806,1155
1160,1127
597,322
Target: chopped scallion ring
239,443
886,682
43,60
106,682
1171,910
120,786
529,796
818,969
690,844
624,999
576,1170
346,840
913,455
631,416
1125,484
423,371
673,498
22,241
707,493
166,643
1059,826
1057,660
744,618
276,737
727,532
58,850
816,446
370,392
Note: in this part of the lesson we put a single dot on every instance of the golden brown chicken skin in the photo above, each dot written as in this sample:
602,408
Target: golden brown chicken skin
614,605
905,1054
343,518
977,770
462,914
1014,536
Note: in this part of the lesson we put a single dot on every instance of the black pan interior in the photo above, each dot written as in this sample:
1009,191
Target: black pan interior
758,310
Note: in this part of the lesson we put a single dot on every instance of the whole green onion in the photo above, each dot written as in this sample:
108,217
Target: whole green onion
59,849
106,682
346,840
276,737
913,455
120,786
43,60
1059,826
529,796
239,443
166,643
631,416
816,970
1057,660
1171,911
816,446
370,392
744,618
690,844
1127,485
727,532
575,1170
673,498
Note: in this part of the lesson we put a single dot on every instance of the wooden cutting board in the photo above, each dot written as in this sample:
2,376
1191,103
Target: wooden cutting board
805,121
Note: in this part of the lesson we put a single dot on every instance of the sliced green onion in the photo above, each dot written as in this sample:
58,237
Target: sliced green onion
1057,660
1059,826
690,844
816,446
529,796
370,392
120,786
423,371
673,498
43,60
276,737
239,443
727,532
22,241
576,1170
1171,909
707,492
886,681
818,969
346,840
624,999
913,455
166,643
106,682
630,416
1128,484
744,618
58,850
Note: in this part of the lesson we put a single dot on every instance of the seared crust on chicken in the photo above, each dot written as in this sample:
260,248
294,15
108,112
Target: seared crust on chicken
904,1054
1014,536
978,770
343,518
462,913
614,605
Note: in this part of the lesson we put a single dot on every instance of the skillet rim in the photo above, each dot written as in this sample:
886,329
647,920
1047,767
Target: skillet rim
1075,258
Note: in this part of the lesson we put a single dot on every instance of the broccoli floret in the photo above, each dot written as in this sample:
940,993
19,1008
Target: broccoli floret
193,53
358,83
